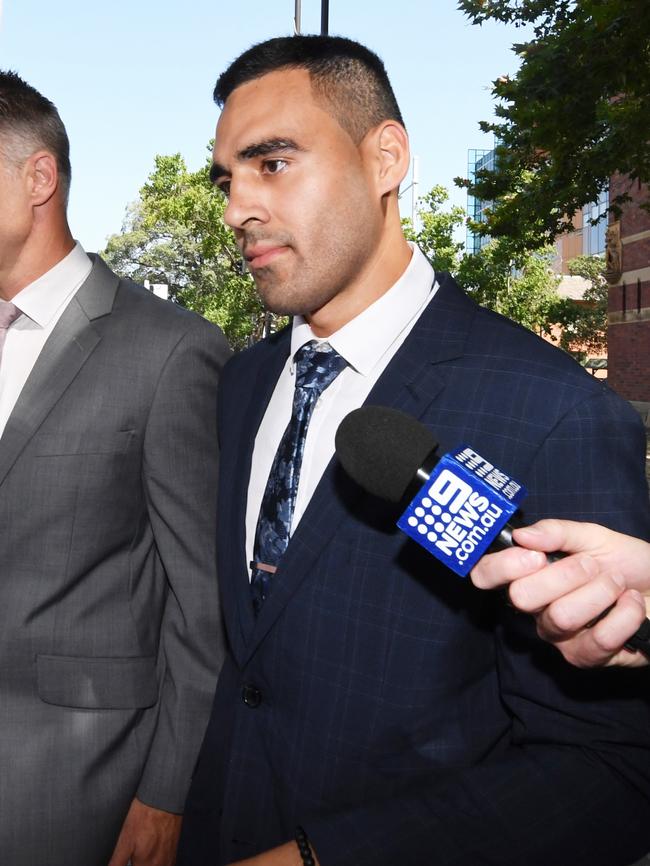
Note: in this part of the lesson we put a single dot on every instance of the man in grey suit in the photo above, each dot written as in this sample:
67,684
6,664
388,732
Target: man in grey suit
109,623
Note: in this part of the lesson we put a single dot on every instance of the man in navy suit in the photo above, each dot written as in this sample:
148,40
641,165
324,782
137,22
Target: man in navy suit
374,708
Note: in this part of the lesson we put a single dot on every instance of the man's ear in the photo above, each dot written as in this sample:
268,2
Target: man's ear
386,149
42,176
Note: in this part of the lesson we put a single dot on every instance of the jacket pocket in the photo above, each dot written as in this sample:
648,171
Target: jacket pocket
97,683
64,444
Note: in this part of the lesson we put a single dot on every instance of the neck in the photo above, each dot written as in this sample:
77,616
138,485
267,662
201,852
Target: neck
40,253
379,274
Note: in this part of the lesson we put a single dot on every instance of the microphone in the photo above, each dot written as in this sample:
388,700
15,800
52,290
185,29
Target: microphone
459,504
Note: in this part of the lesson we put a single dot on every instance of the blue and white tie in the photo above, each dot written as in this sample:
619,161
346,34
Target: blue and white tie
317,365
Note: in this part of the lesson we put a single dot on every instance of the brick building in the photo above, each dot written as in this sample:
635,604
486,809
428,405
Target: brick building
628,273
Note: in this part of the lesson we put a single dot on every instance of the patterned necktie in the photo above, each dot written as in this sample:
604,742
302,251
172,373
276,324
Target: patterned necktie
317,365
8,314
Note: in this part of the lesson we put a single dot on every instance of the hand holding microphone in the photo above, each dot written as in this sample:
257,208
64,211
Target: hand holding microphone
603,570
459,505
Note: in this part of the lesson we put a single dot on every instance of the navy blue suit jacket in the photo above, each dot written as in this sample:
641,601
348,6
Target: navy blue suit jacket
394,711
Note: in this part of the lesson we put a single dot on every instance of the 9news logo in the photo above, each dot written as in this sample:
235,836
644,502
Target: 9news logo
461,509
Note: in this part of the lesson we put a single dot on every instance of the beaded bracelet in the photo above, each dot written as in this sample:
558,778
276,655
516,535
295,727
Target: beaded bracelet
304,847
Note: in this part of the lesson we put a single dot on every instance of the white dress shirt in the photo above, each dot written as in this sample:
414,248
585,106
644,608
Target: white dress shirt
367,343
42,304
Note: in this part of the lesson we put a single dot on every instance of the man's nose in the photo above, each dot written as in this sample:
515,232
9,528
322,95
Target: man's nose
244,205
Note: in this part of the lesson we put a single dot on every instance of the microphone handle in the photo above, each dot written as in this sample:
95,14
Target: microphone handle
640,640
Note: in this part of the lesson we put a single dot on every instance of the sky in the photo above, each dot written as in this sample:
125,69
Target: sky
134,78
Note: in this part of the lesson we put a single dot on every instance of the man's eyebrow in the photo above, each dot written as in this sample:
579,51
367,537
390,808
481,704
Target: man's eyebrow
260,148
217,171
269,145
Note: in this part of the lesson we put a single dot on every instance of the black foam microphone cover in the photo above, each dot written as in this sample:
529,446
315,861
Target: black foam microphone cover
382,449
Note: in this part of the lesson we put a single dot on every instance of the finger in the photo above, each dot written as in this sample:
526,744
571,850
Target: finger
497,569
623,621
566,535
574,611
553,583
604,643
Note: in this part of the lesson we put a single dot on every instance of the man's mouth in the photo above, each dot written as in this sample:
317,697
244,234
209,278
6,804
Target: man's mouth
260,256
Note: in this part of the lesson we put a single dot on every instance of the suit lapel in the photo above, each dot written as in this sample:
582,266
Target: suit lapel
67,349
235,473
410,383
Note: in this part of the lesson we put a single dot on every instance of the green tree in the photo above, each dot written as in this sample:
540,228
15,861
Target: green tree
175,234
584,323
435,236
577,111
518,285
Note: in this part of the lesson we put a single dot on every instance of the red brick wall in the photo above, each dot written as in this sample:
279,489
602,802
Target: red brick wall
629,301
629,371
634,219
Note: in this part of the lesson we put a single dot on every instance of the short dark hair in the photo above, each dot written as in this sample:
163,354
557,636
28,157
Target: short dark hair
29,121
345,74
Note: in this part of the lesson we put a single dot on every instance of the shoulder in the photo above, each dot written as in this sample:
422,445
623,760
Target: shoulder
506,389
139,317
498,348
525,361
133,299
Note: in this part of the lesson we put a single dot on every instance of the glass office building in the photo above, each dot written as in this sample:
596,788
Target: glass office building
586,239
476,207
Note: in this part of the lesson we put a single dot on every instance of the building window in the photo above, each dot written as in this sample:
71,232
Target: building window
593,236
477,160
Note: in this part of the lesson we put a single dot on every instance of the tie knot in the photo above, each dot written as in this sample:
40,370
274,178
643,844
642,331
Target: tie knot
317,365
8,313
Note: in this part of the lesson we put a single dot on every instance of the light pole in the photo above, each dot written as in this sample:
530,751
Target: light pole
324,17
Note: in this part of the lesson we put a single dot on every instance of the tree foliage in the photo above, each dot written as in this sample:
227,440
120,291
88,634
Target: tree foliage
175,234
584,324
577,111
435,235
522,287
517,284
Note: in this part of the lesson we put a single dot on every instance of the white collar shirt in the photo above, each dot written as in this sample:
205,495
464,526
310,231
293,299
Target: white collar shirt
367,343
42,303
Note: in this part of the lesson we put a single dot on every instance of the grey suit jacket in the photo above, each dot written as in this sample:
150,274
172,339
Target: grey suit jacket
110,631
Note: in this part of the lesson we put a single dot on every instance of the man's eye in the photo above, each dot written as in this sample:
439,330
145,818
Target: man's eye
224,187
274,166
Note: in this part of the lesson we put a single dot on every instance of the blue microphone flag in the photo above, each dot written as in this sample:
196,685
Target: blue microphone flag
461,509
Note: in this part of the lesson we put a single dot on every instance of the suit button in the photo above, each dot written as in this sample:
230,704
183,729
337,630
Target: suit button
251,695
